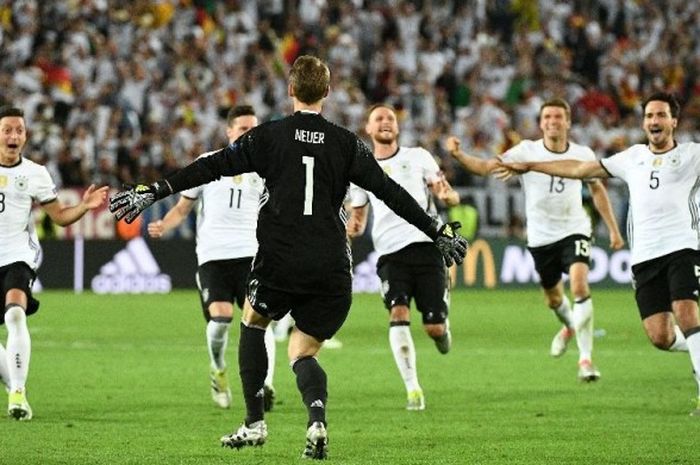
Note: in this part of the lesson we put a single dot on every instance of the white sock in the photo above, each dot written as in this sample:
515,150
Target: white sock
217,341
19,346
282,327
583,326
4,374
401,343
563,312
270,349
679,345
693,342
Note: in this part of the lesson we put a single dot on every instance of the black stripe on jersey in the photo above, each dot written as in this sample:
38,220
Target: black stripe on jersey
693,207
602,165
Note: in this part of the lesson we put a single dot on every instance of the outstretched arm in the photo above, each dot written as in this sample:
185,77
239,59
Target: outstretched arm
469,162
602,203
573,169
173,218
63,216
443,191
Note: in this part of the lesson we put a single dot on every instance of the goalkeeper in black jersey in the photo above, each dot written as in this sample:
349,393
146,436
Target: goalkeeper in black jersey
303,264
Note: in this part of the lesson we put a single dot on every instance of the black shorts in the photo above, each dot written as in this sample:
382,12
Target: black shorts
223,281
317,315
660,281
416,272
18,275
554,259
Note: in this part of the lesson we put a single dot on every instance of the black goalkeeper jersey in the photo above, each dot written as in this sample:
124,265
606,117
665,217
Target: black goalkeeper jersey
307,163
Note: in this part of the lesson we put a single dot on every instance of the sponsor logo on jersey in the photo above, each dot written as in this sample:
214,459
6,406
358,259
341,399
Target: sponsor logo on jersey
133,270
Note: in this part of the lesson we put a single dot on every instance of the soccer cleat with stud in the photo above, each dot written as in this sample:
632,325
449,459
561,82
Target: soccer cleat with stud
220,391
561,341
587,372
416,400
444,342
268,398
254,434
316,442
18,407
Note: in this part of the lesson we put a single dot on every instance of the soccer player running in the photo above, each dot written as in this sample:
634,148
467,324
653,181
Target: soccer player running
226,219
409,265
303,264
23,182
558,227
663,178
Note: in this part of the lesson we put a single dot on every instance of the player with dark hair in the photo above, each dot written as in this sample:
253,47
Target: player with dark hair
663,177
226,219
23,182
410,267
558,227
303,264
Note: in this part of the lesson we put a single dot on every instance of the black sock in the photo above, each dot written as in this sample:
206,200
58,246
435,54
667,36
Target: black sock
312,383
252,366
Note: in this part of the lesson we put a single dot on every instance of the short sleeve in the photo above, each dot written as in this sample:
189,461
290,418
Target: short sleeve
431,170
616,165
515,154
358,196
46,189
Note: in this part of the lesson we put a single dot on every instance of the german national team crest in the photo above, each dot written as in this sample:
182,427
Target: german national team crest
252,180
674,160
405,167
21,183
3,181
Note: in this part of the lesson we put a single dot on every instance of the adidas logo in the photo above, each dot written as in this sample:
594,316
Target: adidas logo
133,270
317,403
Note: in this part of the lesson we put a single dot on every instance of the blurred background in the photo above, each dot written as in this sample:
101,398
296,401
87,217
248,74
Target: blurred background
127,91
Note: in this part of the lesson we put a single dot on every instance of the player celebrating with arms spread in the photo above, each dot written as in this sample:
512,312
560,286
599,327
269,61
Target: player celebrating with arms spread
23,182
663,177
303,264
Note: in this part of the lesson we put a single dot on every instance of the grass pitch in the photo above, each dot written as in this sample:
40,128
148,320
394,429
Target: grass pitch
124,380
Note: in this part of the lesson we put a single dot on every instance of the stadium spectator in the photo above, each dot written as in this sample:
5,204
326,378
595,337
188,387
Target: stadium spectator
24,182
662,178
558,229
226,244
307,163
409,265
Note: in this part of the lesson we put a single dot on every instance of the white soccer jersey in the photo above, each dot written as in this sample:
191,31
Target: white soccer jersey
553,205
663,198
20,186
413,169
227,216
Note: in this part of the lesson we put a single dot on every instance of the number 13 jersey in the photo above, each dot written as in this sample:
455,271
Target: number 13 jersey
553,205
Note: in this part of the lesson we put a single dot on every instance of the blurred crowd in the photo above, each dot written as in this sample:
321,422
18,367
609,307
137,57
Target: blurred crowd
122,91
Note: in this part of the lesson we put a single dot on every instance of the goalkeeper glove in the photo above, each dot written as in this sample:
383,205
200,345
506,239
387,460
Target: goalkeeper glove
451,245
129,203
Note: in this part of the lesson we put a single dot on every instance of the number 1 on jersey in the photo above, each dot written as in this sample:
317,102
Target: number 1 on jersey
308,185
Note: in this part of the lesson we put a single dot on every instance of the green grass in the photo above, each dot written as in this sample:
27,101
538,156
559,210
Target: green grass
123,380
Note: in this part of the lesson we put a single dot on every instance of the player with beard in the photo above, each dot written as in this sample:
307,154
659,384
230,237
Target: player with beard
410,267
663,177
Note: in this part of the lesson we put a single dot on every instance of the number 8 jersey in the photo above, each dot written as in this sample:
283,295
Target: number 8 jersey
20,186
553,205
